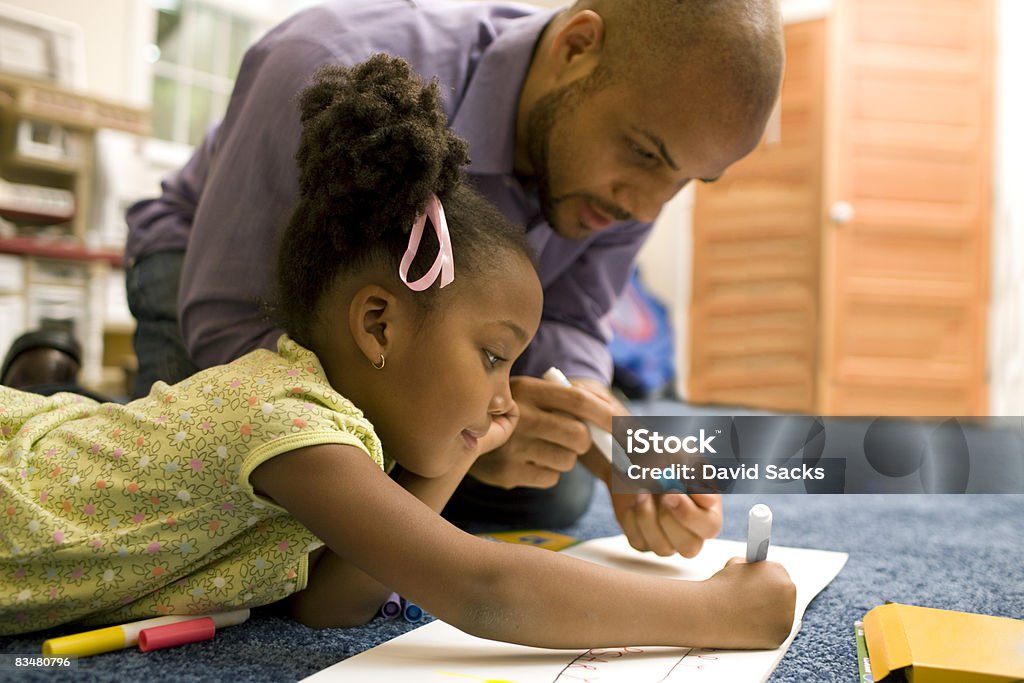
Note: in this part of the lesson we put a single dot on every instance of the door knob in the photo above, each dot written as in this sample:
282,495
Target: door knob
841,212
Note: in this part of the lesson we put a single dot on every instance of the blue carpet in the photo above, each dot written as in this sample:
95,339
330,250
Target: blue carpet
955,552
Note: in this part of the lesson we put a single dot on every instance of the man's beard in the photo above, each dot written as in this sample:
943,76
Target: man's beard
540,129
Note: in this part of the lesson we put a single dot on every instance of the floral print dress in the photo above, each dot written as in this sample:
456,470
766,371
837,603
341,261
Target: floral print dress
115,512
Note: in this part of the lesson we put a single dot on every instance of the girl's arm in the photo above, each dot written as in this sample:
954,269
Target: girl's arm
511,592
362,595
353,595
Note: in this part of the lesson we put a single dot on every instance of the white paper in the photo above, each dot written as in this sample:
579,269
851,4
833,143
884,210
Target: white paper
441,653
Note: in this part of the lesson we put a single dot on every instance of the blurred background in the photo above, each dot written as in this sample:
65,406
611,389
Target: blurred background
866,259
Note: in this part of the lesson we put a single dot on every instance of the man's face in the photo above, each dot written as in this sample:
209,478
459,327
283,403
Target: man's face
604,150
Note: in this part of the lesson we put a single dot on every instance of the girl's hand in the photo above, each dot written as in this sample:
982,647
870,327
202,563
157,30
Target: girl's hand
500,430
757,602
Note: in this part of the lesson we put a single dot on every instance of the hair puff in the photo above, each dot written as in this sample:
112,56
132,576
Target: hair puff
375,143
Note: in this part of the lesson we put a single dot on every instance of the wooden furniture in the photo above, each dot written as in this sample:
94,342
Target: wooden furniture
49,270
842,268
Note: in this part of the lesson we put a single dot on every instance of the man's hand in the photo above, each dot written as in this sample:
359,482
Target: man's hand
548,438
669,523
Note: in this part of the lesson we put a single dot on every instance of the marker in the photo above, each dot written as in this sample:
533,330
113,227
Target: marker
412,613
392,607
127,635
172,635
602,439
759,532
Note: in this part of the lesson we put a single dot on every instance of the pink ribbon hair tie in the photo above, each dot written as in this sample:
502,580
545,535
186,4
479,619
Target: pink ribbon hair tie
444,264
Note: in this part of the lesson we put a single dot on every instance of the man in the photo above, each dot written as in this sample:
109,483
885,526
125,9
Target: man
581,122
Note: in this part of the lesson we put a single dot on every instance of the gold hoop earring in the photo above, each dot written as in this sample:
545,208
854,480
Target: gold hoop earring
381,366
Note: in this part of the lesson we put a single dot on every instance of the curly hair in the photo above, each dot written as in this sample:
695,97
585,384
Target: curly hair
375,145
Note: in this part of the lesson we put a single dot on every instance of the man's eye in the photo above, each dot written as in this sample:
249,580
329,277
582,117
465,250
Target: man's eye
642,153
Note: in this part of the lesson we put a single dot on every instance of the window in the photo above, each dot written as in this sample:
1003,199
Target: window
196,54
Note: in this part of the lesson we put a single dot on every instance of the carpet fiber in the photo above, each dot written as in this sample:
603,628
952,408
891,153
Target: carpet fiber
955,552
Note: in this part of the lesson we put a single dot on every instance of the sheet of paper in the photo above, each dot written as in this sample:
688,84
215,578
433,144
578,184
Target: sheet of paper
441,653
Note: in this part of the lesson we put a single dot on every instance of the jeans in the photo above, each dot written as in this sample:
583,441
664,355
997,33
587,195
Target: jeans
152,284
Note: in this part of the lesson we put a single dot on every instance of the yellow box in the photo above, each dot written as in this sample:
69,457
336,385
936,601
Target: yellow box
942,646
548,540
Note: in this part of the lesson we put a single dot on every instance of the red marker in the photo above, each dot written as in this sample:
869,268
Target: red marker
172,635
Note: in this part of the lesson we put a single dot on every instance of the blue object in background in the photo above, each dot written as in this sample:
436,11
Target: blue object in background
643,343
412,613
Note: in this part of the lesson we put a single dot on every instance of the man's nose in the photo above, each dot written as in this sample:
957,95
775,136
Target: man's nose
644,201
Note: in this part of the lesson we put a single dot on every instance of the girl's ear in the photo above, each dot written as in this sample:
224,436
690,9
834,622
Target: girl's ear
372,320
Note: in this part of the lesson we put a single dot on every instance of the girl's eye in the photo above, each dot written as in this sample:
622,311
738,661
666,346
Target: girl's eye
492,359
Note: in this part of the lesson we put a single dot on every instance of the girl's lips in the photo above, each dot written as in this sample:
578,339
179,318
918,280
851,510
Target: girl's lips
470,438
591,218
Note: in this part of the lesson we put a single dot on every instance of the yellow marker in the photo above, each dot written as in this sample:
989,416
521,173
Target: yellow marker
119,637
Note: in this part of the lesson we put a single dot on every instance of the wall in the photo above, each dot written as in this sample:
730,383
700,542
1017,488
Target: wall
113,65
1006,310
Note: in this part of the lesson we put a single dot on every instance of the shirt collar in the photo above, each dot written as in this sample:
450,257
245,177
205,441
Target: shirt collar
486,117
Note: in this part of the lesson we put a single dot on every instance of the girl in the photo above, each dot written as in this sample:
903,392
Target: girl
261,480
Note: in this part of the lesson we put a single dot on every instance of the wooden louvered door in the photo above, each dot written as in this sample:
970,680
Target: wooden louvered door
843,268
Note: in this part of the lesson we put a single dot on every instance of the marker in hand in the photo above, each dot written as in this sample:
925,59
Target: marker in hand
759,532
601,438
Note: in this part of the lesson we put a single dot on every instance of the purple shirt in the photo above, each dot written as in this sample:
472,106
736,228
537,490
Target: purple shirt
229,204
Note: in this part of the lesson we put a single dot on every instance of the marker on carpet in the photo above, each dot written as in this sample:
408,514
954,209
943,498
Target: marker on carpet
759,532
412,613
172,635
392,607
127,635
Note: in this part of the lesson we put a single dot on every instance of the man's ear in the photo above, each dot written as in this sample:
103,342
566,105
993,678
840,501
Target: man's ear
576,47
372,318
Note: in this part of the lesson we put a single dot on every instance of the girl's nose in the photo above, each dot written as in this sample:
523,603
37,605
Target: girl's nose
501,399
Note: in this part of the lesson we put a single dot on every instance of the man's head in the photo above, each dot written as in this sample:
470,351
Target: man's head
628,100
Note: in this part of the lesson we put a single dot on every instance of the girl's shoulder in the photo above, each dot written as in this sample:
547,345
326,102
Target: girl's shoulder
261,380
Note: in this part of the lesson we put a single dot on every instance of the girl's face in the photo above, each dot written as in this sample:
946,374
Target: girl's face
447,374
